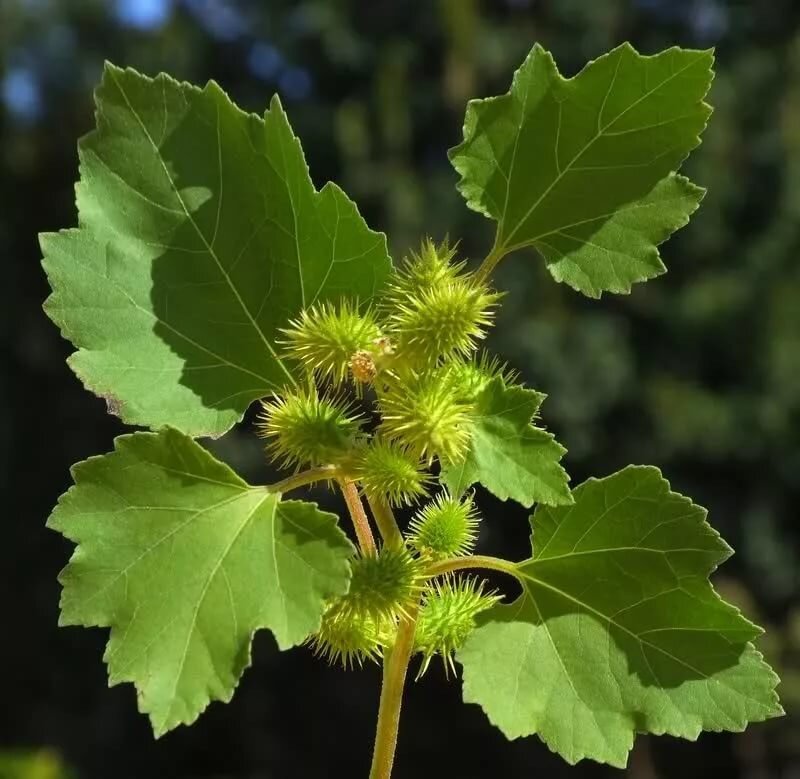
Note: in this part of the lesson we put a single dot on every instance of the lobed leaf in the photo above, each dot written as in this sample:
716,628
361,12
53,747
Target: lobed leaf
618,629
507,454
201,234
184,562
582,169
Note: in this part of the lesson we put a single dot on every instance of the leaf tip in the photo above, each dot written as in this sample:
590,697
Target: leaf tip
110,68
275,104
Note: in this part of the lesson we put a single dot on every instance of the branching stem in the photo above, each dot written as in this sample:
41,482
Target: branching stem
395,666
395,669
359,517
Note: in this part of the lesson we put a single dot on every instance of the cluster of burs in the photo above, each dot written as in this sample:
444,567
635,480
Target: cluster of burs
386,393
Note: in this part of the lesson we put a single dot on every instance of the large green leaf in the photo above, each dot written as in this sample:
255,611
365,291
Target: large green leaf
184,562
618,629
507,454
582,168
200,235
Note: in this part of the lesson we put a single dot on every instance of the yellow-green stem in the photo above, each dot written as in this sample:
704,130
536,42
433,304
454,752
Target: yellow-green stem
384,519
471,561
323,473
359,517
395,669
488,265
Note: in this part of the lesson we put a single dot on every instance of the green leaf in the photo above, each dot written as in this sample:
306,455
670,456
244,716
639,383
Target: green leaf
618,629
581,169
184,562
200,235
507,454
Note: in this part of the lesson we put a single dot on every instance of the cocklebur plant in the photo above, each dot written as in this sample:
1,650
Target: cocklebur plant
207,273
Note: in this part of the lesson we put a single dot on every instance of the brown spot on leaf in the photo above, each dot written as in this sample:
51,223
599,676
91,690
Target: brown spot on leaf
113,405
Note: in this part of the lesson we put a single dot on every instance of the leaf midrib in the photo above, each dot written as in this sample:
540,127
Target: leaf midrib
190,217
608,619
201,598
503,245
172,532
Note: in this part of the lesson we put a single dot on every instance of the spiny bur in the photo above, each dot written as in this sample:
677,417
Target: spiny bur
446,527
325,338
304,428
387,468
434,310
427,414
386,586
447,617
432,266
348,638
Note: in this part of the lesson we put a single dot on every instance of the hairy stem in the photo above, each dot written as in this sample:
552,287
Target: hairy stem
395,668
359,516
488,265
384,519
323,473
471,561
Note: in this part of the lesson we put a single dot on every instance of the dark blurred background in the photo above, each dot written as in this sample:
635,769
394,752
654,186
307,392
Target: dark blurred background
697,372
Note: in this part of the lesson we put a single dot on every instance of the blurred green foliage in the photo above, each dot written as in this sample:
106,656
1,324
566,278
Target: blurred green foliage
42,764
697,372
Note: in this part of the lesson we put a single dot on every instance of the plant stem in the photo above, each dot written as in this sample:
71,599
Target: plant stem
384,519
488,265
323,473
472,561
359,517
395,668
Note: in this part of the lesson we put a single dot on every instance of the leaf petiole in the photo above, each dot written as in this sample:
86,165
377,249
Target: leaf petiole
490,263
472,561
323,473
